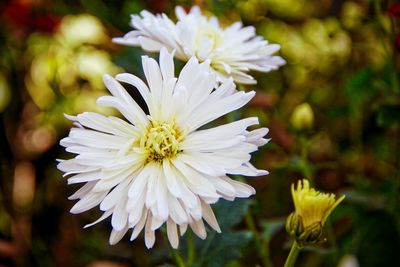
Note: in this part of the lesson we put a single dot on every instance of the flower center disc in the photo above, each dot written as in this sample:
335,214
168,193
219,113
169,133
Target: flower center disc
161,141
210,34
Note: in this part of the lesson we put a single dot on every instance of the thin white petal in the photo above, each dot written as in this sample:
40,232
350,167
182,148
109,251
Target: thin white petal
116,235
172,233
149,237
209,217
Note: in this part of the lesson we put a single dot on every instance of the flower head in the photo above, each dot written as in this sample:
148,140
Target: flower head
232,51
158,167
312,208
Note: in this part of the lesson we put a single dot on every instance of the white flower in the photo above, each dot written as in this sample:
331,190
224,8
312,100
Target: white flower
161,168
233,51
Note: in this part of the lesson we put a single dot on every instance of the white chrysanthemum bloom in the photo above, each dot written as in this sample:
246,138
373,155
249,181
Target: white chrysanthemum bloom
233,51
159,167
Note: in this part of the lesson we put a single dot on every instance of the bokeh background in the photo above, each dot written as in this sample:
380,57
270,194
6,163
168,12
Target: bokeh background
333,113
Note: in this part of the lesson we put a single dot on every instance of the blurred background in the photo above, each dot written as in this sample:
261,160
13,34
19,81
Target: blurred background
333,113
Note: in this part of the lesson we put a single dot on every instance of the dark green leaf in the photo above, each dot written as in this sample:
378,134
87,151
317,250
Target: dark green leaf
219,249
271,227
388,115
359,87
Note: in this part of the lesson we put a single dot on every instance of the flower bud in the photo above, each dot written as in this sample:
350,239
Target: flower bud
294,225
302,117
311,235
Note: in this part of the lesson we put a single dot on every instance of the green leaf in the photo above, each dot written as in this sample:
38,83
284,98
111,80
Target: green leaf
377,242
220,249
271,227
388,115
374,201
359,87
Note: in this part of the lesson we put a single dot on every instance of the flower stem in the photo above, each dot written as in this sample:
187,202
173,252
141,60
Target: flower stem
263,249
178,258
294,252
191,248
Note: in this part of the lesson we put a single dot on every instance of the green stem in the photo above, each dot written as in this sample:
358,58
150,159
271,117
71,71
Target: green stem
178,258
294,252
263,249
174,253
191,249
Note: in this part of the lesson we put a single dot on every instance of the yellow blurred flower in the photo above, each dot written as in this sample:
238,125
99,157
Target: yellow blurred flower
302,117
5,94
67,68
76,30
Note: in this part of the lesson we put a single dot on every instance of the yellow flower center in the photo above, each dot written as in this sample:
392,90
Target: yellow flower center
161,141
212,34
313,206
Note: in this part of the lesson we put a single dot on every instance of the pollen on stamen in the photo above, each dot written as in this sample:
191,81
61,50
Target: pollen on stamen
161,141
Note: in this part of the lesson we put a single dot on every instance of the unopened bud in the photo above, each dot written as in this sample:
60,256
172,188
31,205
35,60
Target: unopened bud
311,235
294,225
302,117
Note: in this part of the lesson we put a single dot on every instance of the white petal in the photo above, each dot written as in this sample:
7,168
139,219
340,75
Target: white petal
153,77
166,64
242,190
120,216
149,237
116,236
115,196
88,201
177,213
156,223
119,92
140,181
183,228
162,200
136,82
134,207
139,226
84,177
209,217
103,217
177,186
151,195
133,113
172,233
83,190
197,183
199,229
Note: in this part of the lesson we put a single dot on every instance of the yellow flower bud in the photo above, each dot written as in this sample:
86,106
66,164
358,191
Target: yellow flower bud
312,208
302,117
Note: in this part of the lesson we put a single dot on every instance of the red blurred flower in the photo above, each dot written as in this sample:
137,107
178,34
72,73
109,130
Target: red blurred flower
46,23
16,13
157,6
397,42
23,16
394,10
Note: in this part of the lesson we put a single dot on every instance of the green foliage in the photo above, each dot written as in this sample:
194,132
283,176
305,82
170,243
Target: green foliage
220,249
271,227
388,115
359,88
